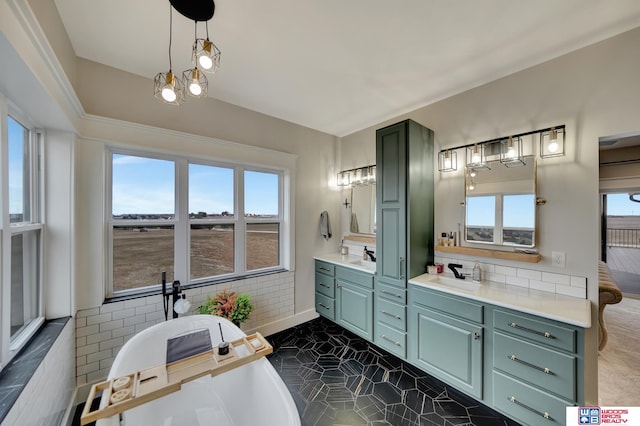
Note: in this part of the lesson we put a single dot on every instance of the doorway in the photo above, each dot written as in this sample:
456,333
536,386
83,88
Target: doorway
620,249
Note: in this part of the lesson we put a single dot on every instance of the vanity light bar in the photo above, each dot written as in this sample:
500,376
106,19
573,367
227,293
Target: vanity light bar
551,145
358,176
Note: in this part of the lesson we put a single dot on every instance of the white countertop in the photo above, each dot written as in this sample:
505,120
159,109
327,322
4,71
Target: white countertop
350,261
570,310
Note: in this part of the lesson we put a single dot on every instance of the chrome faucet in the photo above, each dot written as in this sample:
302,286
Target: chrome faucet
369,253
457,274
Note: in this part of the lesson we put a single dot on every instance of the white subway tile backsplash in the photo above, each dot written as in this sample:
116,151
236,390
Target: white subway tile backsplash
556,278
506,270
101,332
495,277
517,281
580,282
530,274
542,286
571,291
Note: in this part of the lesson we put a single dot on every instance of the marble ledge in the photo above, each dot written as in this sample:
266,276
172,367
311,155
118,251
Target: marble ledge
567,309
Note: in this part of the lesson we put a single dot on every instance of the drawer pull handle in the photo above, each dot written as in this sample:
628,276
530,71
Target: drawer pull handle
326,307
402,268
476,335
323,285
528,330
324,269
533,410
391,315
545,370
392,294
390,340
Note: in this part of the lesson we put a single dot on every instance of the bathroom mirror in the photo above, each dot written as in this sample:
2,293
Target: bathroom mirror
500,204
363,209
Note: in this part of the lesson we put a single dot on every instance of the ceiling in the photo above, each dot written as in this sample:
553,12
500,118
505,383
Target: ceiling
340,66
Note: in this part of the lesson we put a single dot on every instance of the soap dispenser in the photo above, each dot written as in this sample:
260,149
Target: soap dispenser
476,276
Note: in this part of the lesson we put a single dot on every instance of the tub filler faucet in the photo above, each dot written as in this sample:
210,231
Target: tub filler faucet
179,302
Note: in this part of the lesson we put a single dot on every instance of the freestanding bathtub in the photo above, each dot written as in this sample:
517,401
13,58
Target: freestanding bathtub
248,395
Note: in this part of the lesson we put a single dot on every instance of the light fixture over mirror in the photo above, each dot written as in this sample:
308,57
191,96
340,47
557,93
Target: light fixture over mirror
552,142
476,156
447,160
205,56
359,176
511,152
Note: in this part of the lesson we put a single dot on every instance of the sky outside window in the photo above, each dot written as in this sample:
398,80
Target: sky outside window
210,189
481,211
518,211
142,185
621,205
260,193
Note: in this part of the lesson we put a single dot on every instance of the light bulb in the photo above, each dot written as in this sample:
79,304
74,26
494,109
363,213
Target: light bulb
195,88
472,173
475,158
168,93
447,161
511,152
552,146
471,186
205,62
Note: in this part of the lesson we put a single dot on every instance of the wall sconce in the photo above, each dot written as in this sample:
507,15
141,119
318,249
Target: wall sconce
511,152
447,161
359,176
476,157
552,142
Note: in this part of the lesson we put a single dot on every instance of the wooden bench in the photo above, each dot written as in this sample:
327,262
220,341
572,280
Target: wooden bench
609,293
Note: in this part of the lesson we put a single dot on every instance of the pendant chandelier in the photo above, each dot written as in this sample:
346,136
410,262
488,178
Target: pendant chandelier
205,56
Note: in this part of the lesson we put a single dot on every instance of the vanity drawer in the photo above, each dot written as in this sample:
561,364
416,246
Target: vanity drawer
451,305
325,268
325,306
529,405
391,339
398,295
325,285
355,277
536,329
391,313
542,367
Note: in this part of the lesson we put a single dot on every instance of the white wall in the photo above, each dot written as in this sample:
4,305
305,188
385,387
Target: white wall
594,92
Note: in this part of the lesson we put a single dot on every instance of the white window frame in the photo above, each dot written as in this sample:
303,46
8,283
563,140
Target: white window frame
9,346
183,222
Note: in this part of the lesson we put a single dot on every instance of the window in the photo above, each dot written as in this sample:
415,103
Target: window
197,221
22,238
481,218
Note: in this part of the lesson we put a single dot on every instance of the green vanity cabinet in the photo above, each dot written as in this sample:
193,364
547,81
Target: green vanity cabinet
446,338
537,367
325,289
354,301
404,211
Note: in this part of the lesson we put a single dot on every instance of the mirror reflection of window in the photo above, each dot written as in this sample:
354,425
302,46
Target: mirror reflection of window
481,218
518,219
500,205
363,209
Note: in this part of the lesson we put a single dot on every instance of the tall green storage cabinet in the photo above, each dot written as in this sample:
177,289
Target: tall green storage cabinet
404,209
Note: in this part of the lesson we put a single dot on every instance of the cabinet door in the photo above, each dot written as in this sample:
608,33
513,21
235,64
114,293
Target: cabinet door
447,348
354,308
391,205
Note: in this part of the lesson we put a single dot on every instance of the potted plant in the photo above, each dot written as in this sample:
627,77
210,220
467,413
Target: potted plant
227,304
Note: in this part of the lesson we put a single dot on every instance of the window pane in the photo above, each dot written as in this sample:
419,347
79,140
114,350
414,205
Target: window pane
25,274
19,172
210,191
140,254
481,216
212,250
263,245
518,217
143,188
260,194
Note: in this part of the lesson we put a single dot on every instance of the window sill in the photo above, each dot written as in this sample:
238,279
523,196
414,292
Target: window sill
16,375
158,290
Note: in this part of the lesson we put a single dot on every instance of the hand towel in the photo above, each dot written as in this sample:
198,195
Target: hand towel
325,225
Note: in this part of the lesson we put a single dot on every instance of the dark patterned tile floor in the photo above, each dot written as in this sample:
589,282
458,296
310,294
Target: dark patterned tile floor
337,378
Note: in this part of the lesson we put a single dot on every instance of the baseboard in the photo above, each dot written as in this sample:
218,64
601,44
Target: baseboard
283,324
67,420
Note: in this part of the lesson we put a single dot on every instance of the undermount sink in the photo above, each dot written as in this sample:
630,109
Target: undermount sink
466,284
364,264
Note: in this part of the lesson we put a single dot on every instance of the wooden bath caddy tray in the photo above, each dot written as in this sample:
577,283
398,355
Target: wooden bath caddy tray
126,392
